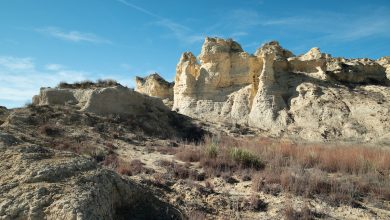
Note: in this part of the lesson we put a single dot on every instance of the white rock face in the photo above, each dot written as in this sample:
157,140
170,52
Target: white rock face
221,76
154,85
313,96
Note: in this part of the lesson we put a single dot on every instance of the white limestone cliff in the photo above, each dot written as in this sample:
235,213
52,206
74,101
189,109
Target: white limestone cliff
313,96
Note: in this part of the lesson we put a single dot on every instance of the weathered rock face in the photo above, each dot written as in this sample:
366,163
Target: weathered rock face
147,114
385,62
154,85
313,96
224,70
356,70
102,101
40,183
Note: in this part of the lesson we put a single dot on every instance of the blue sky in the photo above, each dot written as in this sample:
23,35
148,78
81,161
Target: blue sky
43,42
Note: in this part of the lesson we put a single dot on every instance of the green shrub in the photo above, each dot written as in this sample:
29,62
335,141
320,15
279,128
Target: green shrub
246,158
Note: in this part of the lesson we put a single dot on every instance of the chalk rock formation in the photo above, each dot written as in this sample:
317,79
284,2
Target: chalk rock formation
356,70
225,69
312,64
40,183
313,96
154,85
102,101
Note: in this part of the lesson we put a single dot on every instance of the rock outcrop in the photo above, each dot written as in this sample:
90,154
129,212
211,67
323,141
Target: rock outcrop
154,85
313,95
361,71
142,112
385,62
41,183
102,101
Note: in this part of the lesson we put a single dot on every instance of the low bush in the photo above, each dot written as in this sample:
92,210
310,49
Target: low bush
49,130
246,158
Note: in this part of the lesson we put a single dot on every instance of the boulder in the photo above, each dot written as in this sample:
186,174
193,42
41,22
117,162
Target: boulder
40,183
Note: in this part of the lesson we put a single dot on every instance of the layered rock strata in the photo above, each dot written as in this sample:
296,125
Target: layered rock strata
313,96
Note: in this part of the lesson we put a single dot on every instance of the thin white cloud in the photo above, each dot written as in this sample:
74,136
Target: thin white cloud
140,9
16,63
54,67
177,30
238,34
284,21
73,36
373,26
330,26
126,66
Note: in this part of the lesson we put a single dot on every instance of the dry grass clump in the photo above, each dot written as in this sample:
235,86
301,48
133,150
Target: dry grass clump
166,150
346,159
181,171
87,84
305,214
189,155
81,148
123,167
337,174
256,204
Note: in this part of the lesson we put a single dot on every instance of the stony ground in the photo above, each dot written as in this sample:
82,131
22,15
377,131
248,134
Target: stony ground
146,162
